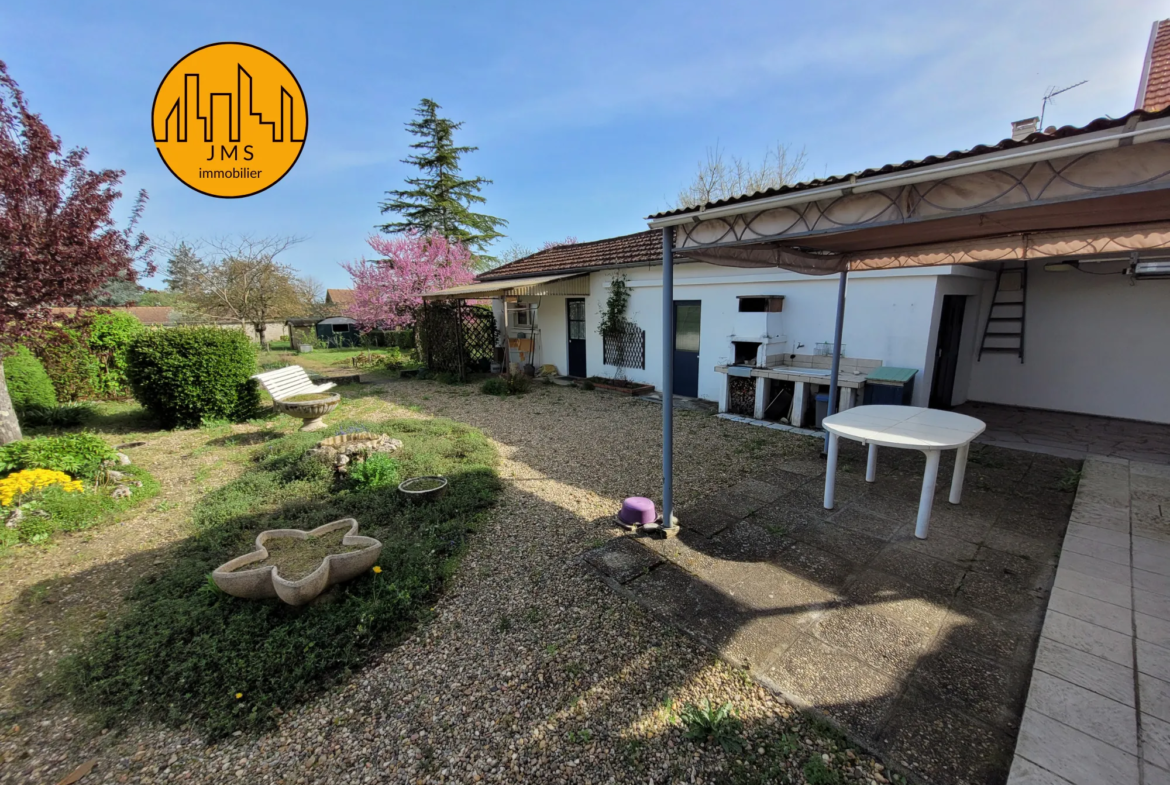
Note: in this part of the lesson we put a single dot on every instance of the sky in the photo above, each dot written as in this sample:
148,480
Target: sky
588,116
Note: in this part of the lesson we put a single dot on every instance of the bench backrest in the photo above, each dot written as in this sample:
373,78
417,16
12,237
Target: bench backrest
286,382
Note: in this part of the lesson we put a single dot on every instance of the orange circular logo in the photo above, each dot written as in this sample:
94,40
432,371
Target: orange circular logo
229,120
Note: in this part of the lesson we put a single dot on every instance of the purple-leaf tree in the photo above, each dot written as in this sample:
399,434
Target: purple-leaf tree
58,241
387,292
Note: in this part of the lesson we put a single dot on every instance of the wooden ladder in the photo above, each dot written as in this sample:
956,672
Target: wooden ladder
1003,332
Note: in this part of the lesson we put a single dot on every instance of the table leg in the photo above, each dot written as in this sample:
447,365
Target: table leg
926,501
871,464
960,473
831,471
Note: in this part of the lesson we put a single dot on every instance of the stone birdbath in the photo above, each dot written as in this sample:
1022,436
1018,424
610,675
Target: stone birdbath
297,565
310,407
345,448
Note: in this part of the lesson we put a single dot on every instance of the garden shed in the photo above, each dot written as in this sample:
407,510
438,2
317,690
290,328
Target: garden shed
338,331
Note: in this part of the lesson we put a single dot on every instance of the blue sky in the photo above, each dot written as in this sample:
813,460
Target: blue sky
589,116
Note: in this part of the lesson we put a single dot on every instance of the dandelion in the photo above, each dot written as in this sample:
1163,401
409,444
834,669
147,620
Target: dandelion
377,569
239,695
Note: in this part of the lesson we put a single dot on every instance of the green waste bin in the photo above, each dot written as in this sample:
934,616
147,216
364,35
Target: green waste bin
889,385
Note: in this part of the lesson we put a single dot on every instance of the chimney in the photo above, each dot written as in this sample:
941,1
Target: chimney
1154,87
1022,129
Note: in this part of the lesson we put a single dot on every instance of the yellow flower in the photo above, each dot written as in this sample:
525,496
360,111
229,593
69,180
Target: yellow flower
19,483
239,695
377,569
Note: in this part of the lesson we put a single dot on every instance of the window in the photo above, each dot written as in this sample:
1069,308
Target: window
752,304
340,328
577,320
520,315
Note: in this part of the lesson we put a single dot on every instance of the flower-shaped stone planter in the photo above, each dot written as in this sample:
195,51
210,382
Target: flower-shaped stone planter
310,410
423,489
255,583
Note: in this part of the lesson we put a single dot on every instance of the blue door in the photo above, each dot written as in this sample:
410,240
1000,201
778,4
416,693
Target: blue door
687,318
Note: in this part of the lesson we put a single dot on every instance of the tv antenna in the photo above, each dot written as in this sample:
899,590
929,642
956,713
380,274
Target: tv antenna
1052,93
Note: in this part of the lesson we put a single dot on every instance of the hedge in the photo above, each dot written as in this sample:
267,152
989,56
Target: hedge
185,376
29,386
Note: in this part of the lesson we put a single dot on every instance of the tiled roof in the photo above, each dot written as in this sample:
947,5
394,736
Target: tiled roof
147,314
1100,124
339,296
627,249
1154,91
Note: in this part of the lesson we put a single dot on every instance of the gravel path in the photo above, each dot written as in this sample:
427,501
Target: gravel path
532,671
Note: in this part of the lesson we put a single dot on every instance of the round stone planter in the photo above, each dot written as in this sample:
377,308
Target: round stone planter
310,411
260,583
423,494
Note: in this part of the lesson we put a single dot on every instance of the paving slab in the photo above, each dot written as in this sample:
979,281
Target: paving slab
1108,618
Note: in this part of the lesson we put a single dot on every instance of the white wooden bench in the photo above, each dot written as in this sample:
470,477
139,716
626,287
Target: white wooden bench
287,382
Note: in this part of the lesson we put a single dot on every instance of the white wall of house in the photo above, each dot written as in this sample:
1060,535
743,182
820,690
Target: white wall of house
890,315
1093,344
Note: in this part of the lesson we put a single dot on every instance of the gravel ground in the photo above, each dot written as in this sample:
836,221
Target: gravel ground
531,670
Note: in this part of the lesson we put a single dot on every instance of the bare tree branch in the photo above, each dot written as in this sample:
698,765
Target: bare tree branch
722,177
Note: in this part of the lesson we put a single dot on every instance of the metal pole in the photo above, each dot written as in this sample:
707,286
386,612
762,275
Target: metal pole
667,376
836,349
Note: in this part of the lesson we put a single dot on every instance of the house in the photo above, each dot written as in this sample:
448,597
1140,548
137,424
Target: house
1025,272
339,298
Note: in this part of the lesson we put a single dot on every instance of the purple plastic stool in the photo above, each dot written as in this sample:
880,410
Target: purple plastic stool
637,511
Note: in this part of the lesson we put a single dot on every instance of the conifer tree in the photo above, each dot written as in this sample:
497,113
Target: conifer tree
440,198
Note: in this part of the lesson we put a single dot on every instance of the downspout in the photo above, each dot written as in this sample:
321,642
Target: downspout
667,377
837,330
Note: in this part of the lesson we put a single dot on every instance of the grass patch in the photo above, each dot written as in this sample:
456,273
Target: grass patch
181,652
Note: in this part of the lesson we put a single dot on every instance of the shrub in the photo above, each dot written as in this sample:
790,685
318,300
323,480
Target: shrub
109,338
377,471
28,384
181,652
185,375
494,386
63,348
77,454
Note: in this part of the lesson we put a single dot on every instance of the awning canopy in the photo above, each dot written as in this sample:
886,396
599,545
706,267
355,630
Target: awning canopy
539,286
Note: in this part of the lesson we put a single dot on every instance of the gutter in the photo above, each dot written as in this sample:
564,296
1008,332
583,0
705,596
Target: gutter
1153,130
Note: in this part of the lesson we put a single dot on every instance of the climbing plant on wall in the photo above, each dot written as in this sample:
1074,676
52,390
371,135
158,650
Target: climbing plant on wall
623,342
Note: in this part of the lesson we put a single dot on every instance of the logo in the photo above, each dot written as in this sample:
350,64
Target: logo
229,120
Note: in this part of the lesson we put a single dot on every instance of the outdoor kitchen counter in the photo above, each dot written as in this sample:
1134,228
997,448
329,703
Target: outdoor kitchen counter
848,383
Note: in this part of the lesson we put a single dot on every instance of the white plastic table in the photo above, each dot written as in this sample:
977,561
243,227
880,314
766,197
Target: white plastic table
905,428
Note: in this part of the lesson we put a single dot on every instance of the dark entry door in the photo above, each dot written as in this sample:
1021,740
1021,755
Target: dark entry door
576,309
687,317
946,352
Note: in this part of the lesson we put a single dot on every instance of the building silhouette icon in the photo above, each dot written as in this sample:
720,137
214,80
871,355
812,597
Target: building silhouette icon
189,108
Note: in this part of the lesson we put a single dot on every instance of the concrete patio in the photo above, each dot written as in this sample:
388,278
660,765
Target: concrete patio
1071,435
922,649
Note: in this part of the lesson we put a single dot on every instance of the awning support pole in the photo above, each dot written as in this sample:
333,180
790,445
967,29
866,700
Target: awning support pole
837,330
667,376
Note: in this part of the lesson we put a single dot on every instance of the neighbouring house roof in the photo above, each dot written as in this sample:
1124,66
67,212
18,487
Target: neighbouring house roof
339,296
1100,124
534,286
1154,89
579,257
147,314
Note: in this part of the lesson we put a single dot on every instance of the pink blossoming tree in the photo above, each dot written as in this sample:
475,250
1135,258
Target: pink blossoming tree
387,292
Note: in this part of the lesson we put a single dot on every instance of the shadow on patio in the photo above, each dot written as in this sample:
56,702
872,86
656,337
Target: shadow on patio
921,649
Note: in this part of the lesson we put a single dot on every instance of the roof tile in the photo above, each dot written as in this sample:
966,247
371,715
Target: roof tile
627,249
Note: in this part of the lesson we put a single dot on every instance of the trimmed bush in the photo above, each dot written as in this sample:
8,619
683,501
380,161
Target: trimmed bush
28,384
79,455
109,338
63,348
184,376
